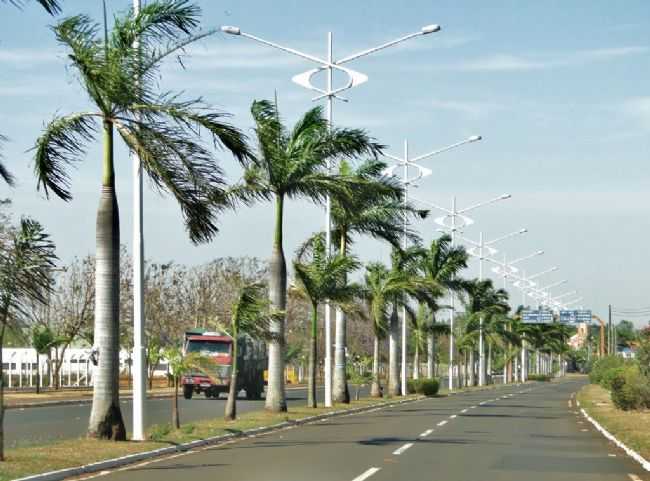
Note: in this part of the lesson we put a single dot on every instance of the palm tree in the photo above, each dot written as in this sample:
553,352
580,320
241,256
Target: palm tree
161,128
377,210
179,364
425,330
51,6
320,278
43,340
25,263
250,314
441,266
482,301
290,165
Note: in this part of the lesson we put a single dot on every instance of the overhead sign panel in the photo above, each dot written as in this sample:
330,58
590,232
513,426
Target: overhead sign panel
539,316
575,316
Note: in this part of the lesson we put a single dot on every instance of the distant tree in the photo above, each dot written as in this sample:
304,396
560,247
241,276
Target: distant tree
42,340
625,333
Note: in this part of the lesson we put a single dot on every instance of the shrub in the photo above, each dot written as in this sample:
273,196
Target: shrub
602,365
540,377
610,375
427,387
630,388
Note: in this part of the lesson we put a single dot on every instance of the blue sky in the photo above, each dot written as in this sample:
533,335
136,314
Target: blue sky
559,91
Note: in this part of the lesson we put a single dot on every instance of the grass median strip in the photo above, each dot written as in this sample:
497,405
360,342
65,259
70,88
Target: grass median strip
57,455
630,427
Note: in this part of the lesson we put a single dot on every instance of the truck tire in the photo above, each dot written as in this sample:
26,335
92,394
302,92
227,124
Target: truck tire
187,391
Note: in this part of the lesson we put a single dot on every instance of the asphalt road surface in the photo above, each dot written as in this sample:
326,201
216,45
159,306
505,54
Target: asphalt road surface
512,433
41,424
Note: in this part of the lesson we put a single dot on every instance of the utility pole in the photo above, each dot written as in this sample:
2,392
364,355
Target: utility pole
609,332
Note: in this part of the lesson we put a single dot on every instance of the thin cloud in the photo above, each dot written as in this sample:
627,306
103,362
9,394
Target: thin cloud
470,109
514,63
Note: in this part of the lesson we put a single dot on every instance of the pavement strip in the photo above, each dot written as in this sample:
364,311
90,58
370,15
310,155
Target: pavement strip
400,450
366,474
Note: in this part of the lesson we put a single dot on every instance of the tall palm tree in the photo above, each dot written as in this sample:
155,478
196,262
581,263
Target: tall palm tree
441,266
320,278
376,210
250,314
425,330
26,260
291,165
161,128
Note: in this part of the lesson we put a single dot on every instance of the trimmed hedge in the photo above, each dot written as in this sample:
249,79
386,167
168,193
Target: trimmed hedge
426,387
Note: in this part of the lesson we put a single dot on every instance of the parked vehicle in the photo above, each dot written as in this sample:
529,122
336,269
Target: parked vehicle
215,379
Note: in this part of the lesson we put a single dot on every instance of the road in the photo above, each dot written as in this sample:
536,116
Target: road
509,434
42,424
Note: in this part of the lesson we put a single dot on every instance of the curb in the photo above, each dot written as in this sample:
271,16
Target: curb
630,452
134,458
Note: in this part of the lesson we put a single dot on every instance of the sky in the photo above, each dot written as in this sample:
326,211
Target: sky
559,91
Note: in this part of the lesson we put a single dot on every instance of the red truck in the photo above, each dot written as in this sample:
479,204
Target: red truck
218,346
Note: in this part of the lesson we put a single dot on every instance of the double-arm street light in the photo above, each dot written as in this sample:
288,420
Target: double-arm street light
479,251
328,65
457,222
406,164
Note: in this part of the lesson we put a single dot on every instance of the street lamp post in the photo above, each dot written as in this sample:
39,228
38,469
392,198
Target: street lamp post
139,367
478,250
458,221
407,163
329,65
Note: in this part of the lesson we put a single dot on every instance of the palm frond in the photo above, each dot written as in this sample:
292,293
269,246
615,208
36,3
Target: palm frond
4,172
59,146
52,7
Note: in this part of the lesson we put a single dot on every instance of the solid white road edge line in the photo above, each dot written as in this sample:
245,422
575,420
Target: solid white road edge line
366,474
630,452
442,423
399,451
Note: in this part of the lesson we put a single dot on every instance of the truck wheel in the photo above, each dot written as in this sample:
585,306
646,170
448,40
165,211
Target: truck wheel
187,391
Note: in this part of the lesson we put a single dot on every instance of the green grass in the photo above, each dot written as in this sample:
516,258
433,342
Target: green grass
631,427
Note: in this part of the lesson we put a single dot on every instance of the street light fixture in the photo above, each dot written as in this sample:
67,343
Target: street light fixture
458,221
328,65
407,163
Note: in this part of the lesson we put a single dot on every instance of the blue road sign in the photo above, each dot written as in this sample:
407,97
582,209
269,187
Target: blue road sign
575,316
539,316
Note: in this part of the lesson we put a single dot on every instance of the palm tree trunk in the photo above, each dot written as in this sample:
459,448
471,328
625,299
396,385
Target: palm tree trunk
275,391
375,388
472,377
416,361
105,416
430,355
393,371
340,390
311,388
231,404
176,418
38,373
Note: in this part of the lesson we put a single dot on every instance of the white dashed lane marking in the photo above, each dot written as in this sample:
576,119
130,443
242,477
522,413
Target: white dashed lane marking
442,423
453,416
366,474
464,411
426,433
634,477
399,451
